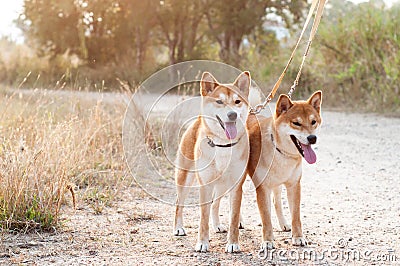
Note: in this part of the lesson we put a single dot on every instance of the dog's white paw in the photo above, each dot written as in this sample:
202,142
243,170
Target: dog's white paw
286,227
202,246
221,228
180,231
231,248
299,241
267,245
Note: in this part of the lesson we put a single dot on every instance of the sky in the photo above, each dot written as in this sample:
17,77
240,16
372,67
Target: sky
10,10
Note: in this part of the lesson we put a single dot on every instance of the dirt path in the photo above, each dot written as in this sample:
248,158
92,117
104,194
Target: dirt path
350,204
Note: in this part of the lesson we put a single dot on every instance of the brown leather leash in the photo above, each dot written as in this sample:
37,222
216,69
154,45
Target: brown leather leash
319,6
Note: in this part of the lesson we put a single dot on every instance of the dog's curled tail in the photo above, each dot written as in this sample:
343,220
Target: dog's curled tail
254,96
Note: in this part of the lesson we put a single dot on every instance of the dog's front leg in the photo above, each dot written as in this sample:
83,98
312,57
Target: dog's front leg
233,234
294,195
206,194
264,206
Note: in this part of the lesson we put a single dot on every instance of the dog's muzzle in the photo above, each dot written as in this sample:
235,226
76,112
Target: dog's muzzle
305,149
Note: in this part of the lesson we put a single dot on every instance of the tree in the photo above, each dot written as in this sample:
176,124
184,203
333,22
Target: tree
138,22
51,25
179,22
117,32
98,31
230,20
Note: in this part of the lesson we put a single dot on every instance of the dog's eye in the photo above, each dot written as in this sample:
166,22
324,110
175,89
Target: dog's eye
313,122
219,102
296,124
238,101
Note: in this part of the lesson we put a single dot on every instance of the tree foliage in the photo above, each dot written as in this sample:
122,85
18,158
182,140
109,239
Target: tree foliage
180,28
107,31
231,20
52,25
357,54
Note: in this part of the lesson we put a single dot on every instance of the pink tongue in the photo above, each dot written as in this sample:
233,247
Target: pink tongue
309,154
230,130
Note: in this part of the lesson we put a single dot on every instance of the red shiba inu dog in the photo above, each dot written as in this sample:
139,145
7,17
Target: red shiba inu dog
215,150
277,146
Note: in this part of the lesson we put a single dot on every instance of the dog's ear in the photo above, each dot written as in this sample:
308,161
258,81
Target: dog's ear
315,100
207,84
243,82
283,105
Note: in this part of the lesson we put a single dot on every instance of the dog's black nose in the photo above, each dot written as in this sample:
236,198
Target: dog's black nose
312,139
232,115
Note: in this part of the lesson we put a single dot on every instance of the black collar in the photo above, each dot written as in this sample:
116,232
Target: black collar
280,151
212,144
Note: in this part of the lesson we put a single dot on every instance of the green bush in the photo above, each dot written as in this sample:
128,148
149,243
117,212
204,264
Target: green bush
21,66
354,59
357,58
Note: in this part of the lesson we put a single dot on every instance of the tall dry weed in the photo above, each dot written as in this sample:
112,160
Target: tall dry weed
50,144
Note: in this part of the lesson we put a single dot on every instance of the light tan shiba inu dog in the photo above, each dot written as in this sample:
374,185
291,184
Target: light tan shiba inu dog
215,150
277,146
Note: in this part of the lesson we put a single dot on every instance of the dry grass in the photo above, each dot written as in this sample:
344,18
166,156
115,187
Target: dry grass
51,145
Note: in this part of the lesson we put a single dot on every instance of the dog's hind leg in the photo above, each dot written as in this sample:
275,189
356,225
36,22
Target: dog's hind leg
218,227
184,181
278,209
241,221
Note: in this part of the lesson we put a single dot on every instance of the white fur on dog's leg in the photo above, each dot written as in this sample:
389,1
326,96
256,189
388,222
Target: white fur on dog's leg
179,232
231,248
285,226
299,241
202,246
221,228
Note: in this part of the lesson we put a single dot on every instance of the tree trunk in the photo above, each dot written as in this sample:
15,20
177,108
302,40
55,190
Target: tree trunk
141,38
192,37
139,56
230,47
235,43
181,42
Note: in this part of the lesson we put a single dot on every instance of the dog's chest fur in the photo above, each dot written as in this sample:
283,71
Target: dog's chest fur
273,167
227,164
278,169
284,169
